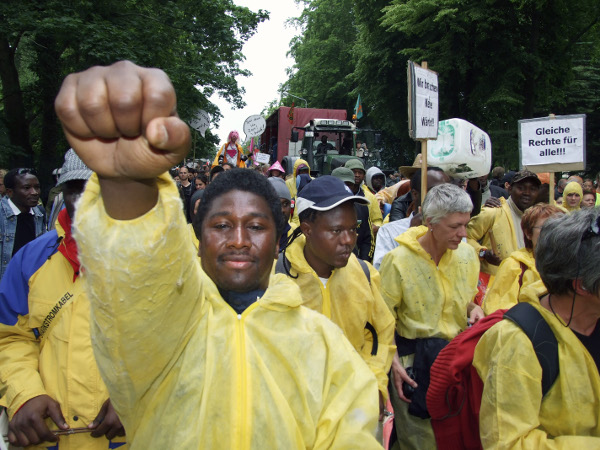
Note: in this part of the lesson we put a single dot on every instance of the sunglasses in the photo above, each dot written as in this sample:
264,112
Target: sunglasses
23,171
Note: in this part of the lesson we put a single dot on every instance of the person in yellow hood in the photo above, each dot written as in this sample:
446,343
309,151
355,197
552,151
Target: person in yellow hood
572,196
199,357
514,414
495,233
518,270
332,280
48,375
428,282
300,167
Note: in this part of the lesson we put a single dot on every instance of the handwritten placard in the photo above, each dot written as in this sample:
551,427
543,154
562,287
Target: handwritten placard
254,125
200,122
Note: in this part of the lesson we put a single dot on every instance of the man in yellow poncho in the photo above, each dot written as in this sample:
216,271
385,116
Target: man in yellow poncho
210,357
496,232
331,278
514,414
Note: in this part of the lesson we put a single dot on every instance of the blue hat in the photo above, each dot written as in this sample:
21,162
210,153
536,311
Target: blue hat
325,193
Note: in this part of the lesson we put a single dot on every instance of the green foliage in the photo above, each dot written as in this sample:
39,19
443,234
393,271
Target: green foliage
198,44
498,61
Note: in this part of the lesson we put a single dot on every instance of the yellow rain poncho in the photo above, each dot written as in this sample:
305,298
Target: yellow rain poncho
504,290
500,222
186,372
427,301
572,188
374,210
291,182
513,413
350,301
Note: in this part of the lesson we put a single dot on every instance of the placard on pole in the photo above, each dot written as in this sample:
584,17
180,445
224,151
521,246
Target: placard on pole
552,144
423,106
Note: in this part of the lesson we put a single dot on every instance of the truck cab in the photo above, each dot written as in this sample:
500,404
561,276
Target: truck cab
329,143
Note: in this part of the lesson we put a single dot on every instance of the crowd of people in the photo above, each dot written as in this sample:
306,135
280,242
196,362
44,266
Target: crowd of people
169,305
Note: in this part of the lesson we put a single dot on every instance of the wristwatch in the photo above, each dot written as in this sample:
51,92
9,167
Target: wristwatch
482,253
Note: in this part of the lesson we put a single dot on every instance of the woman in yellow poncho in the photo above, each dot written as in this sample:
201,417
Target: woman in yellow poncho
518,270
428,282
572,196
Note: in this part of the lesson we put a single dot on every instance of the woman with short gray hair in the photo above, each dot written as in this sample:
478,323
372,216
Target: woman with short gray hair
514,412
428,282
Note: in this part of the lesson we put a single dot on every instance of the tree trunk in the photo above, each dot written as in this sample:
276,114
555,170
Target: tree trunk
14,108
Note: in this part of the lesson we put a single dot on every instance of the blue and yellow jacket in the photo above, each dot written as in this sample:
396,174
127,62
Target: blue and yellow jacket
45,345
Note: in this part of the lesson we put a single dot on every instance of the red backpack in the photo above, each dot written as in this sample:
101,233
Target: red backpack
455,389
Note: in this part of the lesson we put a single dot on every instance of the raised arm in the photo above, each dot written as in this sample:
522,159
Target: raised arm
122,122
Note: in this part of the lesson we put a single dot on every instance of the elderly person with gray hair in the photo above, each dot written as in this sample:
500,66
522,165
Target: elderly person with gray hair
428,282
514,412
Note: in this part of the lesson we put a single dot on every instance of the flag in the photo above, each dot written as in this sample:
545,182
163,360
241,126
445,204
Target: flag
291,114
358,111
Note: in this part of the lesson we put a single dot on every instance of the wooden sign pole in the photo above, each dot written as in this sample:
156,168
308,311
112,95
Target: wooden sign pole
423,159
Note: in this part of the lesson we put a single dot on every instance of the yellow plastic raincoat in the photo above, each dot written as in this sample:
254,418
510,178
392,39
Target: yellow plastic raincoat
291,182
572,188
503,292
186,372
426,301
60,363
513,413
498,220
350,301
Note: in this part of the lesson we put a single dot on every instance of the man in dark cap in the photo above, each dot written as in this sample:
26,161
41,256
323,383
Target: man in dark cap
496,232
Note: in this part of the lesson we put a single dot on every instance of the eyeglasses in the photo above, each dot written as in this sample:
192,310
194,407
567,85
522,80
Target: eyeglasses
593,230
23,171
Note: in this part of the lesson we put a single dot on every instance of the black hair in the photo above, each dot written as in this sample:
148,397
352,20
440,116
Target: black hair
11,176
415,180
239,180
202,177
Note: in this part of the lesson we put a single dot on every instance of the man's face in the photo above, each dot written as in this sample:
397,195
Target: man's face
183,174
359,176
588,185
575,178
72,190
450,231
378,182
26,193
191,176
2,188
573,199
324,139
239,242
331,238
524,193
286,208
434,178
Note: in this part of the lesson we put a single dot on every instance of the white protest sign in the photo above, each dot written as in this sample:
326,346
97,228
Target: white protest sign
552,144
263,158
254,126
200,122
423,102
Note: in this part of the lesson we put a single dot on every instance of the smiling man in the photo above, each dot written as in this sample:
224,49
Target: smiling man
20,221
214,356
502,226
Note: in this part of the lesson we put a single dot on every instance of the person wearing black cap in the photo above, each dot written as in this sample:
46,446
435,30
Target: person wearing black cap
496,232
332,280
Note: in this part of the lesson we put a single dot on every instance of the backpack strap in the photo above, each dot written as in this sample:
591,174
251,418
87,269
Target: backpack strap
365,267
542,337
279,265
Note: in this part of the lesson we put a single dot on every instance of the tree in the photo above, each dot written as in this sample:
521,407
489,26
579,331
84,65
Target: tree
198,44
323,55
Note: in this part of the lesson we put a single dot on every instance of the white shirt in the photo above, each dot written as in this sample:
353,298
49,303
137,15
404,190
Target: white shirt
16,211
386,238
